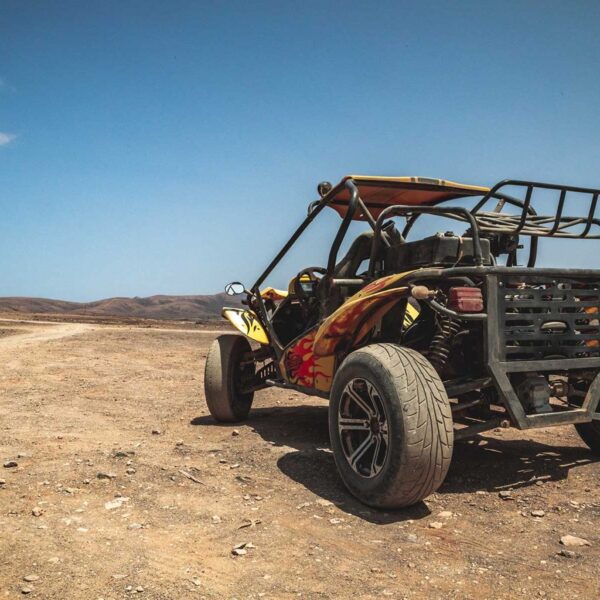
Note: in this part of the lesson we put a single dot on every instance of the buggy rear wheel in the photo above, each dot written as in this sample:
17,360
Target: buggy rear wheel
588,432
390,425
224,372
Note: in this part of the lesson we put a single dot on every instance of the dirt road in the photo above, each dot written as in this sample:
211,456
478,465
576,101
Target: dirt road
124,486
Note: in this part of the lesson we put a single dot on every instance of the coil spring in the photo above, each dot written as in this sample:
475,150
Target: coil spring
439,349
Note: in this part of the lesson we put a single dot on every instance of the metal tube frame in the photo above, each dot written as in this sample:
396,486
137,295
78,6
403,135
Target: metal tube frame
454,212
314,209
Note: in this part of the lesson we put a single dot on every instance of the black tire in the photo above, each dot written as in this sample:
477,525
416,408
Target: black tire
222,374
419,431
590,434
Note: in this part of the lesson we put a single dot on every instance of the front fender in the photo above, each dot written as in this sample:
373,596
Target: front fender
246,321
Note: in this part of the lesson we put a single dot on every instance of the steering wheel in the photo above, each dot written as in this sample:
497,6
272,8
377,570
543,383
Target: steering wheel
299,291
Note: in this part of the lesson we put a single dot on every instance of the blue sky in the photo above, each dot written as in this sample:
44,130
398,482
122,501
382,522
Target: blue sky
169,147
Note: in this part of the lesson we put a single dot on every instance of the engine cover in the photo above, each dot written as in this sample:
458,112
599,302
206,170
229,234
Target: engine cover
442,249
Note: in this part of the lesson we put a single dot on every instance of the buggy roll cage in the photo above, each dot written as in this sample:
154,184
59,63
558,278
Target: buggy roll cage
528,223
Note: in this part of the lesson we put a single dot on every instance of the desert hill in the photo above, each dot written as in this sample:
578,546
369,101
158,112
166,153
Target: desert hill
153,307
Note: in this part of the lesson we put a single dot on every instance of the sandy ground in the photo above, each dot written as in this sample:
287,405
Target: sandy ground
124,486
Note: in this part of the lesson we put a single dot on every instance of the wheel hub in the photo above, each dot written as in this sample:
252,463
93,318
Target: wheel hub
363,428
375,426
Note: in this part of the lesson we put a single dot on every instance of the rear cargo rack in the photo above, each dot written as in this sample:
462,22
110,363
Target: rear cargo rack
530,223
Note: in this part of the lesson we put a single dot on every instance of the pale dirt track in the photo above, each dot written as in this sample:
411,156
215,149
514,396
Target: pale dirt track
21,341
78,400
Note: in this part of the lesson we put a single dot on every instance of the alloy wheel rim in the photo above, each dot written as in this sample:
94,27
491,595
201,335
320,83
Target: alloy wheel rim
363,428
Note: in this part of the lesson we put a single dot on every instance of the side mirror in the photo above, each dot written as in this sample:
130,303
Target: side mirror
235,288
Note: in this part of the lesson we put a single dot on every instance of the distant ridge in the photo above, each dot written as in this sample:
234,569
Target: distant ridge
154,307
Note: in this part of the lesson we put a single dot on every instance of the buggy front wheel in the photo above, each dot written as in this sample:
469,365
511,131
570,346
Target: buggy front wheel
227,366
390,426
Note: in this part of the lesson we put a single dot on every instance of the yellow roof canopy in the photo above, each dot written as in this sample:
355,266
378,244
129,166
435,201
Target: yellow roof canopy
378,193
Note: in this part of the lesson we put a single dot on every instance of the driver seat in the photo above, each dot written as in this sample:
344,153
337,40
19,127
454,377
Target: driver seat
360,250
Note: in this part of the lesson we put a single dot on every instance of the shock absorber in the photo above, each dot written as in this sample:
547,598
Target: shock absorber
439,349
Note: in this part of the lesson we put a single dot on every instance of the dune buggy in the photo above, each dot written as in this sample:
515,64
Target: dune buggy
419,343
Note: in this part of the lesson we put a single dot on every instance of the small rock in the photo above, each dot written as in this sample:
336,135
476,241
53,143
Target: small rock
11,464
241,549
505,495
336,521
445,514
130,471
235,466
538,513
30,578
86,481
156,432
36,511
323,502
26,590
2,481
196,581
435,525
573,541
135,526
249,523
411,537
103,475
116,503
179,443
567,553
139,589
215,519
303,505
235,433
